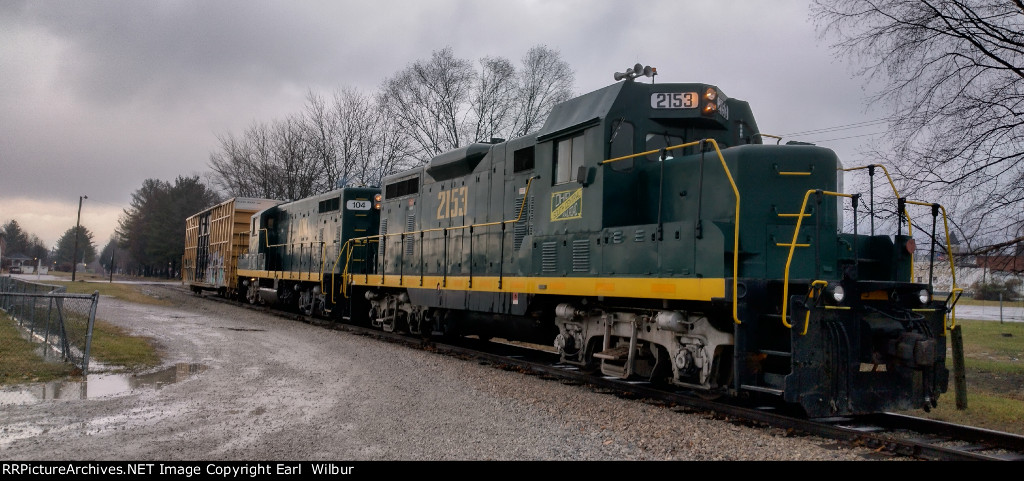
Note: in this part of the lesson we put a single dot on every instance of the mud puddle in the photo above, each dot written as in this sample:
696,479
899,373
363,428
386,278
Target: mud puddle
98,385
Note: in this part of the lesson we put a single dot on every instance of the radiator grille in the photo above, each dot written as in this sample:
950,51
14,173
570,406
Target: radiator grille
549,256
410,240
383,238
525,225
581,255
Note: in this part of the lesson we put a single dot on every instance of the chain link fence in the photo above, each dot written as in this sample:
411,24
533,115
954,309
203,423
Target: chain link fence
59,322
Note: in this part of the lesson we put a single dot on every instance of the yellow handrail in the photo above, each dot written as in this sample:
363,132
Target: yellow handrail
736,234
383,237
952,309
777,138
348,247
792,248
810,295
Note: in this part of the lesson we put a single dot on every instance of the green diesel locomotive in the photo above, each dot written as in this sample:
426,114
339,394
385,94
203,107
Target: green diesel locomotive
646,231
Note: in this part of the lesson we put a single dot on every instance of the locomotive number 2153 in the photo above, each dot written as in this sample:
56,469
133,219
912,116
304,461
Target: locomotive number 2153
451,203
674,100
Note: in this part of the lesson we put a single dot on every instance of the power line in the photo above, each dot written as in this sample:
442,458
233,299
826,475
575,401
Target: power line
855,125
847,137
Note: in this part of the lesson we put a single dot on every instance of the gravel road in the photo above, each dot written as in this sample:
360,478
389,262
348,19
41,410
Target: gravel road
275,389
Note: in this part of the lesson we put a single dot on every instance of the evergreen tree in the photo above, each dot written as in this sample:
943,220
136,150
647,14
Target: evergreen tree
66,247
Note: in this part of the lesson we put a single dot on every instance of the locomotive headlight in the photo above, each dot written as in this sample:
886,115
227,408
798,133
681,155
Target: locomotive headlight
710,108
838,294
923,296
710,94
376,201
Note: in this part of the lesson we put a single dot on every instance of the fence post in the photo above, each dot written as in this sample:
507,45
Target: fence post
959,374
46,336
88,336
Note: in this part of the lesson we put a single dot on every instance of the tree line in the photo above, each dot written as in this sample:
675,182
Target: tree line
14,240
431,106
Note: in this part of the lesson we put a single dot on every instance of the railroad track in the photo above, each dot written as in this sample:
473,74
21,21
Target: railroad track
889,433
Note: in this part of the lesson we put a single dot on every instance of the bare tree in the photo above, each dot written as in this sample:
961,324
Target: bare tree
428,100
298,173
392,151
430,107
544,80
260,172
951,73
231,166
321,132
244,166
493,98
356,119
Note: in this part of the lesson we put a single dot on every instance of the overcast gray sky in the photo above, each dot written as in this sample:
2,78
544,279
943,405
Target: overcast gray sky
98,95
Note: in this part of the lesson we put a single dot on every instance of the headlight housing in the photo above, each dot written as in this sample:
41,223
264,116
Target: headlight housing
924,296
838,294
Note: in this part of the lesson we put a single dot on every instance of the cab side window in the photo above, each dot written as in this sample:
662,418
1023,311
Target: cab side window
621,145
568,158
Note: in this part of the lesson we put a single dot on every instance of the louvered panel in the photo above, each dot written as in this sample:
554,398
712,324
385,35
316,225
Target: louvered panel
581,255
410,240
522,228
383,233
549,256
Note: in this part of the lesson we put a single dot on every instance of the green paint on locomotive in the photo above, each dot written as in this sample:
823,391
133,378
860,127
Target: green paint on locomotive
306,238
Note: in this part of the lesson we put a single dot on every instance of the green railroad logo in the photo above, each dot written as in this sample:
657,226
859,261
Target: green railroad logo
567,205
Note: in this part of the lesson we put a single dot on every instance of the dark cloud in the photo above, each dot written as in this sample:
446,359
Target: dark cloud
119,52
97,96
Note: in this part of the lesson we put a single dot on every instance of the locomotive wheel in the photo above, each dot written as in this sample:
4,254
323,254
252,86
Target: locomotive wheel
416,321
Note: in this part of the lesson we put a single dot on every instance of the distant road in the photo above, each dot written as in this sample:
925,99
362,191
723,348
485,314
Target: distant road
990,313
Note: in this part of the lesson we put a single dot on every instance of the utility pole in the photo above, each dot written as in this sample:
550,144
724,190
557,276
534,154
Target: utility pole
112,249
74,256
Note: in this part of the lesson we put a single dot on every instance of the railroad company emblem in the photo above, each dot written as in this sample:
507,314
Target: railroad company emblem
567,205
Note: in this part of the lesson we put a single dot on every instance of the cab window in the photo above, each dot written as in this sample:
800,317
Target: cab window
568,158
660,141
621,145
